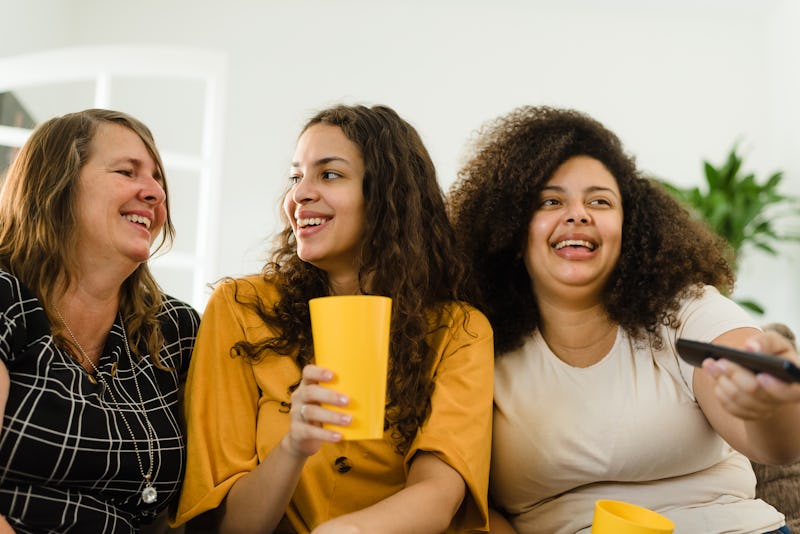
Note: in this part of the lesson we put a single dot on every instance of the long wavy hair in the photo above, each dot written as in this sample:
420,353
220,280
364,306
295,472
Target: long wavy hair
666,254
38,222
408,253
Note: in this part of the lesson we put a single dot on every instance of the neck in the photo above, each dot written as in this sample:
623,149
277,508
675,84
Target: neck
579,336
89,309
346,284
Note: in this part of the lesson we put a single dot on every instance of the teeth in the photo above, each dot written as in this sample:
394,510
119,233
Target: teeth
315,221
139,219
573,243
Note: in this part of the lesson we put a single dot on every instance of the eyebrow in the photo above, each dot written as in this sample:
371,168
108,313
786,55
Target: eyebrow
324,161
590,189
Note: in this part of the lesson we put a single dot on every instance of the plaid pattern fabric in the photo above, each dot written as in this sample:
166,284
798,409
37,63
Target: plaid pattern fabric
67,460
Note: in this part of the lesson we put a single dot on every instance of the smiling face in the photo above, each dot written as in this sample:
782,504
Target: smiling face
326,202
120,199
575,234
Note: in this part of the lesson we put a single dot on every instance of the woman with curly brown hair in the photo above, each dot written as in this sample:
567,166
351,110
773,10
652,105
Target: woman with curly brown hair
589,273
364,215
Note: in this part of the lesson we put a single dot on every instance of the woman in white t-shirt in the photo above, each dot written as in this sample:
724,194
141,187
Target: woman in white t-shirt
589,274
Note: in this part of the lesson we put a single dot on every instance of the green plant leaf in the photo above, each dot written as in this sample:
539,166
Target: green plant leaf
742,209
752,306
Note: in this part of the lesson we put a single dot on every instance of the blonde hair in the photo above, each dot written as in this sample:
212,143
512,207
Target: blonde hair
783,330
38,221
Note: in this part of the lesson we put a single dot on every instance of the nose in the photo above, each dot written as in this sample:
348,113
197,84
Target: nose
304,191
152,191
577,214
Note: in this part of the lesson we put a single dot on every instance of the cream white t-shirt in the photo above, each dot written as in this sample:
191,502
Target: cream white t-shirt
626,428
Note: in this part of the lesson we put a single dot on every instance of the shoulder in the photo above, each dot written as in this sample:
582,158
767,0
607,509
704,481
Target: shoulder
457,325
241,301
709,300
179,314
246,289
15,298
12,290
22,316
705,313
456,313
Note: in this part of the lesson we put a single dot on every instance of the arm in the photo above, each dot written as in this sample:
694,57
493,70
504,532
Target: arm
448,462
431,497
228,479
258,500
4,385
5,528
757,414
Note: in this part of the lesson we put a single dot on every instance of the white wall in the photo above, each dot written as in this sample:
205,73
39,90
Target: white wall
678,81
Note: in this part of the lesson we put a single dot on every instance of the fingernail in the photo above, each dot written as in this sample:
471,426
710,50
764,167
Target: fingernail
766,380
343,400
336,436
346,419
753,345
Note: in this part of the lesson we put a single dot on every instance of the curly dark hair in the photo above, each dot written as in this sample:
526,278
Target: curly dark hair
409,253
666,254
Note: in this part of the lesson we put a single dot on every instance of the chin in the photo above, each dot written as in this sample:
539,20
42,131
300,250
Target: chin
140,257
308,256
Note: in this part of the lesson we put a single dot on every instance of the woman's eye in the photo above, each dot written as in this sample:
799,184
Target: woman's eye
330,175
294,178
549,202
600,201
124,172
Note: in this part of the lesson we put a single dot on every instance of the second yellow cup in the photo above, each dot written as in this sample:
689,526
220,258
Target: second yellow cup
351,338
617,517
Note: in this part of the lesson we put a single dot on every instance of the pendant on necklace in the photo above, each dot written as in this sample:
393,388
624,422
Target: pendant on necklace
149,494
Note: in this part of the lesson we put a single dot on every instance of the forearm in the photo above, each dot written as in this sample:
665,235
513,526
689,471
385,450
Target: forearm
498,524
428,503
258,500
758,415
775,440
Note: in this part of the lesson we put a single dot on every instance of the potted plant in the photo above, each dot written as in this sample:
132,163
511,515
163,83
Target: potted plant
741,209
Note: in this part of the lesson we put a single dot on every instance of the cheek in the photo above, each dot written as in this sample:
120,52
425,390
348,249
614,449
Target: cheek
288,208
538,230
612,229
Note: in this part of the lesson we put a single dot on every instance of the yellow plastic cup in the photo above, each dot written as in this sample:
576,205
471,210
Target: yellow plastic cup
351,338
617,517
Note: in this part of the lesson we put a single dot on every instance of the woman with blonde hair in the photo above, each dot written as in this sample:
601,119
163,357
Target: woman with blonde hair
95,352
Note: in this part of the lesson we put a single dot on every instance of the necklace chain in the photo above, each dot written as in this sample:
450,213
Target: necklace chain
149,494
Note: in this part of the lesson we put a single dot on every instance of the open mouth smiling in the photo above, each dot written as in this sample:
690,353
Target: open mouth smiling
312,221
138,219
574,243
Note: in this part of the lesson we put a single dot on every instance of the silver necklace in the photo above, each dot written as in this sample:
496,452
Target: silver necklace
149,493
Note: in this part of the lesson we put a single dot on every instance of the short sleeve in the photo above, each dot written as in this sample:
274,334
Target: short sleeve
179,323
22,319
705,318
459,428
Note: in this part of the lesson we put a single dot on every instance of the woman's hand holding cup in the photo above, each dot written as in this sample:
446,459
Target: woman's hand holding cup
306,434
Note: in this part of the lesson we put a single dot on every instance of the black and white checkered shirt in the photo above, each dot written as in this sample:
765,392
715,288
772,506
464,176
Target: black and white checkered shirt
67,459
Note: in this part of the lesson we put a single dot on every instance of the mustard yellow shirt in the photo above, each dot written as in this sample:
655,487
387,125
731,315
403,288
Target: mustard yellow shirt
237,412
